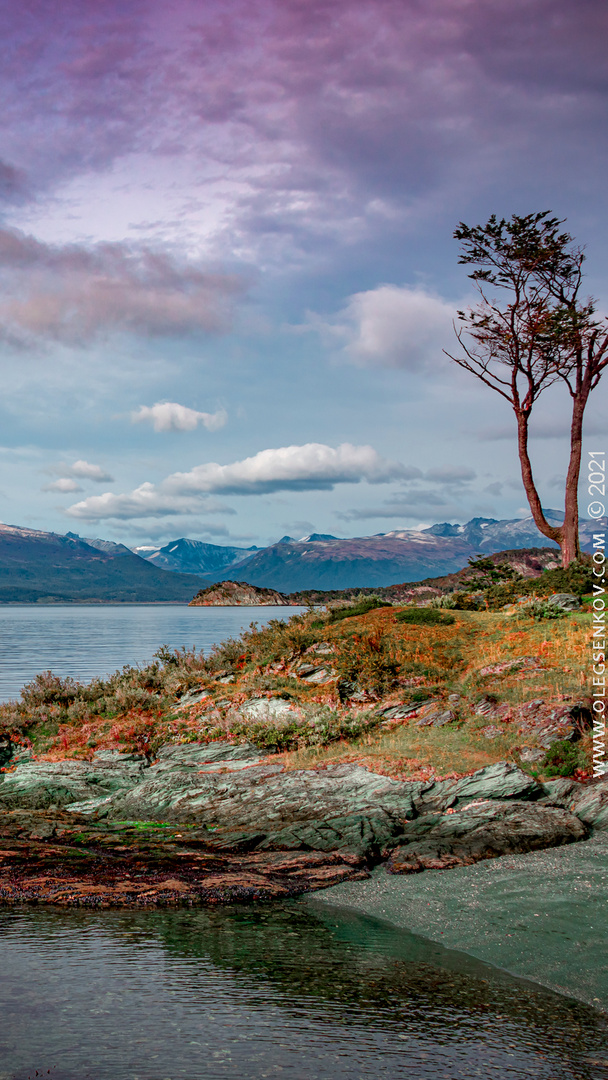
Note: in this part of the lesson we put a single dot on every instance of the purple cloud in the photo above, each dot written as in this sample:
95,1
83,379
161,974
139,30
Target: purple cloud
73,292
334,115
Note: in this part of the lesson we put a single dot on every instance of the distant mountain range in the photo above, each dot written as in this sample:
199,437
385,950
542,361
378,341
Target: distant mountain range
192,556
41,567
322,561
37,566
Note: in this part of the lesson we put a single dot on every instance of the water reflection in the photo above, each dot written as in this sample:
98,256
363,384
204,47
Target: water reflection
286,991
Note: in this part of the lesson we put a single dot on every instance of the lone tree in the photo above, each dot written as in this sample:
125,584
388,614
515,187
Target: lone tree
539,332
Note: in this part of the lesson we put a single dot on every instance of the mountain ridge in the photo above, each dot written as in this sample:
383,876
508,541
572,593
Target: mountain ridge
322,561
37,567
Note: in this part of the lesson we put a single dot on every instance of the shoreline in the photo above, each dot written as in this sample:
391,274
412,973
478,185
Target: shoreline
540,916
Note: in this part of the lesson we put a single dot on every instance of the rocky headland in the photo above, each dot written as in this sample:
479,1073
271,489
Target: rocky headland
238,594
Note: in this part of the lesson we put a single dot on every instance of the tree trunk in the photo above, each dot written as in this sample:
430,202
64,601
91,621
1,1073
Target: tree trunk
540,520
570,543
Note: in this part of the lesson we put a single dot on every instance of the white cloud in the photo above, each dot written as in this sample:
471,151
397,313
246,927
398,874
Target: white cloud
64,484
84,470
393,326
169,416
312,467
145,501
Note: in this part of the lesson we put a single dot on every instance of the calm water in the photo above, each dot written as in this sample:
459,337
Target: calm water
89,640
280,991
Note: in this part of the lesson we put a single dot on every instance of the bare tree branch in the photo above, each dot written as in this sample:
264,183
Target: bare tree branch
543,334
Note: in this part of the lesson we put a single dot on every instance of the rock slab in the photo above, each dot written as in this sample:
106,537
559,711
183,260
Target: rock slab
482,830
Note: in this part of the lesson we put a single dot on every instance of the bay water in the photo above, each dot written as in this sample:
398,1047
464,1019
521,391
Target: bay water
87,640
289,990
296,990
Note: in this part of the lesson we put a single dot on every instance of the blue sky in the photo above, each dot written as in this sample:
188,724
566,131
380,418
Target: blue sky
227,262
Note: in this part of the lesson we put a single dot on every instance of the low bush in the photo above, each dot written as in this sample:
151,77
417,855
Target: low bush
425,616
540,609
370,603
446,601
316,727
576,578
563,759
369,661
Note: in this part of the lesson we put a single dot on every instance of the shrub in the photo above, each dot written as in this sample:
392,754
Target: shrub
369,661
540,609
426,616
49,689
562,759
446,601
487,573
362,608
468,601
275,641
576,578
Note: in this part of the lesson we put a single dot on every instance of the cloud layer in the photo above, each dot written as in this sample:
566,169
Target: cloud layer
169,416
74,292
313,467
324,120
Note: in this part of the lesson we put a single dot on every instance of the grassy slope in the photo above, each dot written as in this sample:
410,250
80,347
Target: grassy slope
529,562
385,660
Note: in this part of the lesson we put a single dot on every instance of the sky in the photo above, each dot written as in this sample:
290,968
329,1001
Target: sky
227,263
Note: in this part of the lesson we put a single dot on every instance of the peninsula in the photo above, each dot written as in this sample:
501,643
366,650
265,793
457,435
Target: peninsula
307,752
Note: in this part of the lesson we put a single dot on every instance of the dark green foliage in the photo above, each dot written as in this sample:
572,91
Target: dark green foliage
576,578
494,580
487,573
369,604
425,617
563,759
498,596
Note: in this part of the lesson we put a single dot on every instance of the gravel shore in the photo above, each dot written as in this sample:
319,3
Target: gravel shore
542,916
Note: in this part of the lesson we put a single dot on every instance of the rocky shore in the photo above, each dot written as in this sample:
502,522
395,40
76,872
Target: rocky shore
221,822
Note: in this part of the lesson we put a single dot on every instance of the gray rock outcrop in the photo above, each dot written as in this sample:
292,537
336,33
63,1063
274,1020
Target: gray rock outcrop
565,601
36,785
482,830
239,800
263,797
499,781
